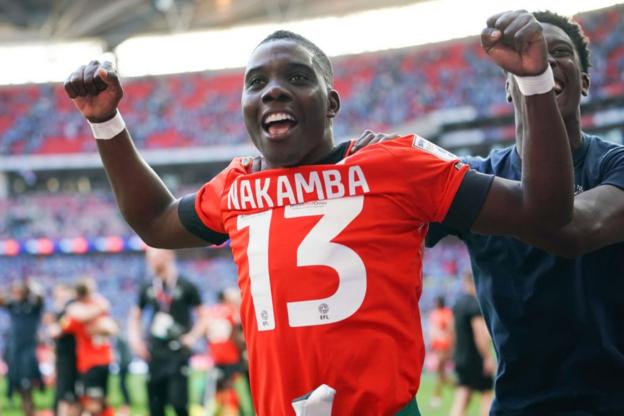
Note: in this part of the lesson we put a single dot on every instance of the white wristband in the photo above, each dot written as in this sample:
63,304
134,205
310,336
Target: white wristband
539,84
108,129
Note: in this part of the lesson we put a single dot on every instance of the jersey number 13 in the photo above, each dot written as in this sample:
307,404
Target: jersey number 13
316,249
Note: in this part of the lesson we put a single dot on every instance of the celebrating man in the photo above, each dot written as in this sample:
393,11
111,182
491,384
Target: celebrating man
329,245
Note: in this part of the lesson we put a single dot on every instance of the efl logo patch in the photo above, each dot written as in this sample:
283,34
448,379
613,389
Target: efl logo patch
434,149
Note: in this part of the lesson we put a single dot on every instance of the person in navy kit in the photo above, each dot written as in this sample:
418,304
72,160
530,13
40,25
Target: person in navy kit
24,305
557,320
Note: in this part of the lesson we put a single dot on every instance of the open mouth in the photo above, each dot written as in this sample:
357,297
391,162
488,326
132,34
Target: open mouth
558,87
278,124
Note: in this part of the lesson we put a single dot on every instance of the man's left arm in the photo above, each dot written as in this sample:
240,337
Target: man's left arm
597,221
598,214
197,331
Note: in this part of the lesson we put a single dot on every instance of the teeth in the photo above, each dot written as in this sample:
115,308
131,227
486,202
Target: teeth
558,86
278,117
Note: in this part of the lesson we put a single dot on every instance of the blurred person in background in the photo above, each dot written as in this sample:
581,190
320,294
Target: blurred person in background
24,305
475,365
65,395
169,300
221,326
88,320
123,358
440,345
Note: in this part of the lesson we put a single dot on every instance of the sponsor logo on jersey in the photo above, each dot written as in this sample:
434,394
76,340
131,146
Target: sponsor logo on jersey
434,149
297,188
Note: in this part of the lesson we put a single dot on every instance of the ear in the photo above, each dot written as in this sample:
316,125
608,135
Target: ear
585,82
333,100
508,90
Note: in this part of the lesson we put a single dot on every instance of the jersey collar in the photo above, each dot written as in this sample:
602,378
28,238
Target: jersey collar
336,155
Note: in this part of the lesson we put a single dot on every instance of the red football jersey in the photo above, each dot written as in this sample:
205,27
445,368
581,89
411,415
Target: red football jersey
440,321
91,350
329,262
221,324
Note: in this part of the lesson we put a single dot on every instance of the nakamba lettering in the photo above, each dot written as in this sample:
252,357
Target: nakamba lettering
296,188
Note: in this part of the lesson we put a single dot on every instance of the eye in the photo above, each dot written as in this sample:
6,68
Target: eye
255,83
561,52
298,78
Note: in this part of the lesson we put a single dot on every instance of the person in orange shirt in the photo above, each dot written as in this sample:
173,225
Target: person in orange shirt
441,345
221,326
93,347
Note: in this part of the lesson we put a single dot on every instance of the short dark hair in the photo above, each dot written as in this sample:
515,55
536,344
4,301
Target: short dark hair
83,287
320,56
573,30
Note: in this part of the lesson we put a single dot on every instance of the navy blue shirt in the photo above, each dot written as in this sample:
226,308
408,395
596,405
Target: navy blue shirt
557,324
24,317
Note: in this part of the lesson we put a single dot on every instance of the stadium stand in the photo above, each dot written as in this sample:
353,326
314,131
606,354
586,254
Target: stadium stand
63,217
380,91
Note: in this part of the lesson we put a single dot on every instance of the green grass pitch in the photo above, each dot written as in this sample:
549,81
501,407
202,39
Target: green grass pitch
43,400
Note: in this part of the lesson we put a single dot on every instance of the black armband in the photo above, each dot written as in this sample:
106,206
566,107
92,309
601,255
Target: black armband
192,222
468,201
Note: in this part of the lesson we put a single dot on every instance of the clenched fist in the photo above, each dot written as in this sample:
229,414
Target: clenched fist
515,41
95,90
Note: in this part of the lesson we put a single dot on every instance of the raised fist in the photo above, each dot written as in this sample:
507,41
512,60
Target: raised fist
515,41
95,90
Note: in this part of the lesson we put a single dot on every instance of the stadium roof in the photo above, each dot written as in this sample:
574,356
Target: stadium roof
116,20
60,35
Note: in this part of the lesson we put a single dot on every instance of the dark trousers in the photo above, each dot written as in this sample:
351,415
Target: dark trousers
123,385
170,388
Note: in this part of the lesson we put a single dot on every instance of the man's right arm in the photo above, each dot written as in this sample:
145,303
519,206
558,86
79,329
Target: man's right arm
597,221
484,344
135,337
144,200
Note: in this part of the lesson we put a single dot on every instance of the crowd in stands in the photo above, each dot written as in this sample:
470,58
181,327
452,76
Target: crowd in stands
380,91
66,215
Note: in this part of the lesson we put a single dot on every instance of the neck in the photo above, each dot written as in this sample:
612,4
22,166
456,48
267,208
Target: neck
168,279
313,157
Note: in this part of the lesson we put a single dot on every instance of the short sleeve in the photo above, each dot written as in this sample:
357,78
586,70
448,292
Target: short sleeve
432,175
200,212
612,168
436,233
